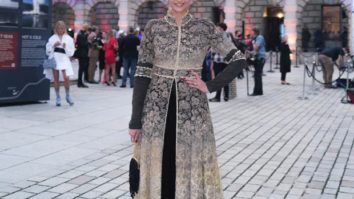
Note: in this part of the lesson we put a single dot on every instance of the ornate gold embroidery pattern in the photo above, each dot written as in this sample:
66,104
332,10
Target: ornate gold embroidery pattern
143,72
196,158
170,73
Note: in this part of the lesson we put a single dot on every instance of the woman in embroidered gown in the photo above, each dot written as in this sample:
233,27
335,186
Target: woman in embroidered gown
171,121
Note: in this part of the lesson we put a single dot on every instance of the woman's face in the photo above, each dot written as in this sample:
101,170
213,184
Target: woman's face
180,6
61,30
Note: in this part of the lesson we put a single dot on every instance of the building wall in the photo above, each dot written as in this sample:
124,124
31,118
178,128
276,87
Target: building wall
205,9
62,11
312,17
104,15
150,10
248,10
141,11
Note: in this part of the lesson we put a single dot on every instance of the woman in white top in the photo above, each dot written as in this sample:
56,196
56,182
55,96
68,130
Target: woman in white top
61,47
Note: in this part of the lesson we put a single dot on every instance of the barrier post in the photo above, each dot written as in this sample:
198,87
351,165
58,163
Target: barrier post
345,99
303,97
313,72
296,58
276,58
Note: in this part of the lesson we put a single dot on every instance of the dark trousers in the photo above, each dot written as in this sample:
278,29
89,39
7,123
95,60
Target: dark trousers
83,69
129,63
258,72
218,68
283,76
168,178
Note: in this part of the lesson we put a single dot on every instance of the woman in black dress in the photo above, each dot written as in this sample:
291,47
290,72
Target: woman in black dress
285,62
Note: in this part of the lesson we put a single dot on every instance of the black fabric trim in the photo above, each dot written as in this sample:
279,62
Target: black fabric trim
59,50
229,55
226,76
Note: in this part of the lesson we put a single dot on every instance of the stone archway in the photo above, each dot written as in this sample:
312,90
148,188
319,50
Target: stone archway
63,11
150,10
242,5
200,8
104,15
309,14
267,16
207,9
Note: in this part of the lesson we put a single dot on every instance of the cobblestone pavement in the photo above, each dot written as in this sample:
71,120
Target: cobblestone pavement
273,146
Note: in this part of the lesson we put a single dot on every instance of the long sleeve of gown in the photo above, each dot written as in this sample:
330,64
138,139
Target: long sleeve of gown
232,56
142,77
141,86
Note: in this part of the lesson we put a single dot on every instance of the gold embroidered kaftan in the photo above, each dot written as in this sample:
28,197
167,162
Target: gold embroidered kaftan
168,52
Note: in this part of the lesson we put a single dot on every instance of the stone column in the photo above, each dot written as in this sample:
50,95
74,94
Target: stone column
351,30
230,21
79,9
123,15
230,15
290,21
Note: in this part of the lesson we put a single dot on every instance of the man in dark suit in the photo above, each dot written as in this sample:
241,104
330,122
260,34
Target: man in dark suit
129,46
82,48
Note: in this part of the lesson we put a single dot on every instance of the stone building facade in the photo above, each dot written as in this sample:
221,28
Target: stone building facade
240,15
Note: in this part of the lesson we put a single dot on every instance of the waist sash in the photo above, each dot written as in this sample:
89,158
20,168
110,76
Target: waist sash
59,50
171,73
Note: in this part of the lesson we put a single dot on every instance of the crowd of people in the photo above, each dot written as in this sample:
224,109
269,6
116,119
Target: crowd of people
112,51
108,51
254,47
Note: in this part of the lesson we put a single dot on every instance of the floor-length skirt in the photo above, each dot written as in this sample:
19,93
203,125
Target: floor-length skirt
168,181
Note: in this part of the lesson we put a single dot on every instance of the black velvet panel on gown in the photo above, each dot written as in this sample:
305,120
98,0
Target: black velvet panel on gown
168,181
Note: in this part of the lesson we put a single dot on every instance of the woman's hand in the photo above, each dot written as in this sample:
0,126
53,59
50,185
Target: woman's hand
134,135
56,44
195,81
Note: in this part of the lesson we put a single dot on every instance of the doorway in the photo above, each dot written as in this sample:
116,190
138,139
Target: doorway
273,27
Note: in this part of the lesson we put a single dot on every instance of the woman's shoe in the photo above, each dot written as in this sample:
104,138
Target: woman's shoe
58,101
114,84
214,100
69,100
108,84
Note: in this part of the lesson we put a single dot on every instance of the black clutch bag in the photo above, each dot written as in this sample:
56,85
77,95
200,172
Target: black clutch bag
134,171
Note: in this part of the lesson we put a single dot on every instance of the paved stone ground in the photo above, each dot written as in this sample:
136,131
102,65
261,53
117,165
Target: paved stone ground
273,146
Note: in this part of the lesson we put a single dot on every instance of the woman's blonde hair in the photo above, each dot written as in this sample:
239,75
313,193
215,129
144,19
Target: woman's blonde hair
109,34
58,24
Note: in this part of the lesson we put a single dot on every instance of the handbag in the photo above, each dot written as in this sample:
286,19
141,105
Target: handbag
134,171
49,63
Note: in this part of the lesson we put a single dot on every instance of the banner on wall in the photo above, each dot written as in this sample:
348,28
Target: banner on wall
24,31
